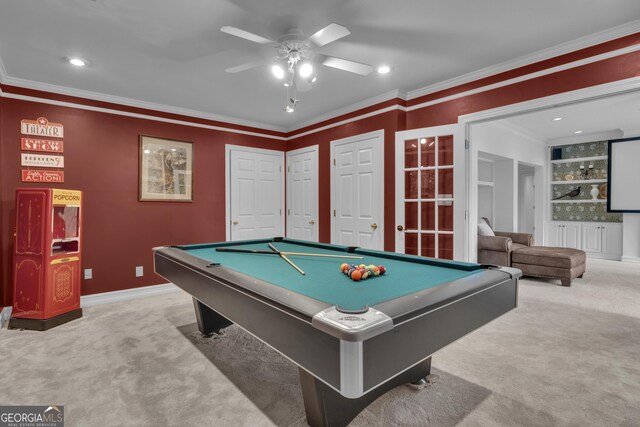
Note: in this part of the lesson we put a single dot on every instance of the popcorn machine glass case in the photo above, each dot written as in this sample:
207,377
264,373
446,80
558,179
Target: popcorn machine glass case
46,275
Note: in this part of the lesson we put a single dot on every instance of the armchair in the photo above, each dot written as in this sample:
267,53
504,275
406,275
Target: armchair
497,249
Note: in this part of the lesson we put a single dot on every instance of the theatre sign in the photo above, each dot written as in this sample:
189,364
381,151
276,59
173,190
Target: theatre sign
41,127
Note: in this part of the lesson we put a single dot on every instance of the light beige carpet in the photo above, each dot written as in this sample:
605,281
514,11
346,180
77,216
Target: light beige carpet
566,356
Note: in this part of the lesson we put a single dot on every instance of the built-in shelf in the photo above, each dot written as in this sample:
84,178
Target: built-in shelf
580,201
485,183
580,181
580,159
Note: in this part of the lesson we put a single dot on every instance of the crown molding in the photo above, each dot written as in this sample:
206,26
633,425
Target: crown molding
139,116
97,96
392,94
541,55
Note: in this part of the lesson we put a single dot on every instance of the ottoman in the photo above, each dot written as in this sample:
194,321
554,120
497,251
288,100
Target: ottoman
552,263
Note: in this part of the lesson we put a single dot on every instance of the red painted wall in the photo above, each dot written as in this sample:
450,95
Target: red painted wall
101,159
386,121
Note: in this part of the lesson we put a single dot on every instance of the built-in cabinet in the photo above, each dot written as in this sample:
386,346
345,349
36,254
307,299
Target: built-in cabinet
597,239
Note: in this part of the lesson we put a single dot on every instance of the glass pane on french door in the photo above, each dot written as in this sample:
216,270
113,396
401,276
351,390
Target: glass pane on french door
428,196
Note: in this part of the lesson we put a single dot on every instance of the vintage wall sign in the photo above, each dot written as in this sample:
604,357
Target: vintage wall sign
41,127
41,160
44,145
42,176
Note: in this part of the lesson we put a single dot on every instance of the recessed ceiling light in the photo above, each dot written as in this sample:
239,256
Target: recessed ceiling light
147,151
384,69
78,62
289,109
557,119
423,140
578,131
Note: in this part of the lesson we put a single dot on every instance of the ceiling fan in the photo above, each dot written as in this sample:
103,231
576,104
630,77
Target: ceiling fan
296,56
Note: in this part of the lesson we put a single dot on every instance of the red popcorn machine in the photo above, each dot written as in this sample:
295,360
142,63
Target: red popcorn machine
46,263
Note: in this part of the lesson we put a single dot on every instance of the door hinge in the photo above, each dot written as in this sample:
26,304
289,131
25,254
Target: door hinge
288,211
334,162
280,212
280,168
334,212
466,144
288,168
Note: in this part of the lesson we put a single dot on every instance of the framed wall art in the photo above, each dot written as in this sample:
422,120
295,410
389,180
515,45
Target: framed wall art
166,170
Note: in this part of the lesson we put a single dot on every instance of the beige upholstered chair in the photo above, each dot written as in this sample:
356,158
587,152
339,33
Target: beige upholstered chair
496,250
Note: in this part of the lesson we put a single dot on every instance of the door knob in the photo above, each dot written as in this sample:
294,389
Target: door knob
374,226
311,222
400,228
235,222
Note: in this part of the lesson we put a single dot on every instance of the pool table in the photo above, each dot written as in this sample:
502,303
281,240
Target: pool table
352,340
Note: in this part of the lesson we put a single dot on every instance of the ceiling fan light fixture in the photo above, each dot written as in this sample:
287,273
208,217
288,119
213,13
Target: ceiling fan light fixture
289,109
277,71
305,69
384,69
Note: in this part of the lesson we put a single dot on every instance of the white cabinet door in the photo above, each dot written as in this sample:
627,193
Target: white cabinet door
357,191
302,194
553,236
591,238
612,239
571,235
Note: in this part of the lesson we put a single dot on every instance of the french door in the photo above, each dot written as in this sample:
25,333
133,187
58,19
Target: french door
431,192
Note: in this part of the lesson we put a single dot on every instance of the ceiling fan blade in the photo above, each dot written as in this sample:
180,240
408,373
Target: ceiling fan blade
243,67
328,34
245,35
346,65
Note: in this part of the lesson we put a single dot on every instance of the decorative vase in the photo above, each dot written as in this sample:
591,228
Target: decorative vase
594,191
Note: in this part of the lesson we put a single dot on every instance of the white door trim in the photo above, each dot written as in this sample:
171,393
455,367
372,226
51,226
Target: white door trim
312,148
460,186
538,104
227,181
333,144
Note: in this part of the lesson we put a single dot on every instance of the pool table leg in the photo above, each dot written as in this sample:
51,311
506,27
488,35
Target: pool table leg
209,322
326,407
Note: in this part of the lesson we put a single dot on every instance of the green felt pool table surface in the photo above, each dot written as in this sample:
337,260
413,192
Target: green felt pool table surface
323,279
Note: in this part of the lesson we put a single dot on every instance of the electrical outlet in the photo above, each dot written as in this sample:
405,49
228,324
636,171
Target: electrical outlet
139,271
88,274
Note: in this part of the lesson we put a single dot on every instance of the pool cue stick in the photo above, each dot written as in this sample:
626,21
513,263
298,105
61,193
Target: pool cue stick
284,257
256,251
249,251
321,255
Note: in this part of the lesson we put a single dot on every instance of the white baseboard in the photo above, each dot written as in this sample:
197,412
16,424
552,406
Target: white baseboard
126,294
108,297
630,259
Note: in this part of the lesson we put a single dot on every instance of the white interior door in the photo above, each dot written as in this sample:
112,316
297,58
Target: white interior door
302,193
357,191
254,193
431,196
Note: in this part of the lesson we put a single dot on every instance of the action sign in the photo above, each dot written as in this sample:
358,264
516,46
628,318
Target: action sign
46,145
42,160
42,176
41,127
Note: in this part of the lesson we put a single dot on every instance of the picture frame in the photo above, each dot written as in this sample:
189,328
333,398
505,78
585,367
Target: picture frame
165,170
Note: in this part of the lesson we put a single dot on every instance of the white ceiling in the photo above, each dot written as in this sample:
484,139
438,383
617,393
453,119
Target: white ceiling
610,117
172,53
